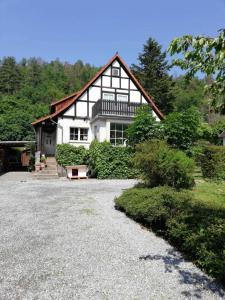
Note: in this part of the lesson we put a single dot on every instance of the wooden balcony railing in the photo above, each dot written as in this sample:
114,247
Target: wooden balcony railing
114,108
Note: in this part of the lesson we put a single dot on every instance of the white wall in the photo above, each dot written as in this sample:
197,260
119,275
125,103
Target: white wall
66,123
101,130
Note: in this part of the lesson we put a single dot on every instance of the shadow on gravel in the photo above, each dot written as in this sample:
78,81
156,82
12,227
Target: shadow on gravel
199,282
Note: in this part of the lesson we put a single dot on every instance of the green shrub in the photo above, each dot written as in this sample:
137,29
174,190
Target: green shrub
69,155
161,165
182,128
197,151
213,162
217,128
144,127
107,161
195,227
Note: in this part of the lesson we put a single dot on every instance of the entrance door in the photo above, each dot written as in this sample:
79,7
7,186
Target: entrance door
49,143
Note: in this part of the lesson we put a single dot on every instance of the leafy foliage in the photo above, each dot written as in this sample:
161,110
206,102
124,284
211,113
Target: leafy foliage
16,116
27,87
181,128
152,72
144,127
161,165
107,161
216,129
205,54
193,226
213,162
69,155
189,93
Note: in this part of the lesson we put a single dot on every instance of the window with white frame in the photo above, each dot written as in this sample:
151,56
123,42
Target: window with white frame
122,97
118,133
78,134
108,96
116,72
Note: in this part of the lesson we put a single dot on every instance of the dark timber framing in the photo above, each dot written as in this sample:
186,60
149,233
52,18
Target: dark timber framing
66,102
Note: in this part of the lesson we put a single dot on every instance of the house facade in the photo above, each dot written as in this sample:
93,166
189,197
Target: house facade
101,110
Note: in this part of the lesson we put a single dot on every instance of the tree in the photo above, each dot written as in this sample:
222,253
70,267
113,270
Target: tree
10,76
26,89
16,116
182,128
144,127
189,93
152,73
207,55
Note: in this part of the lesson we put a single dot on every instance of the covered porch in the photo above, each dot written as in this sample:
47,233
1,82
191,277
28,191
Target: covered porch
46,137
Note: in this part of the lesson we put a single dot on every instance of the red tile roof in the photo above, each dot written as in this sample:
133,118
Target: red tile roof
73,97
64,99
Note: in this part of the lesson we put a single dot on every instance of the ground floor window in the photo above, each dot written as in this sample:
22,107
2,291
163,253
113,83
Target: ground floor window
118,133
78,134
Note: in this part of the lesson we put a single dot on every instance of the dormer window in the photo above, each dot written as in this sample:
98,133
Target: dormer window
116,72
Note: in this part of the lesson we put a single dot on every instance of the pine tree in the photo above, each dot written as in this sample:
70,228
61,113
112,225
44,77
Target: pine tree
152,72
10,76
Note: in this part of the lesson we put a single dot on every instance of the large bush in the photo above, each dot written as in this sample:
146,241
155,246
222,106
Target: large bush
195,227
107,161
69,155
161,165
144,127
213,162
182,128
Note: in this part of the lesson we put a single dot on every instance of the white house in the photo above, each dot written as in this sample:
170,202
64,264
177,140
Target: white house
101,110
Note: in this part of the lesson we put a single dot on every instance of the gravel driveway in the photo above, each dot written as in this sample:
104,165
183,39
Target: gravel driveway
63,239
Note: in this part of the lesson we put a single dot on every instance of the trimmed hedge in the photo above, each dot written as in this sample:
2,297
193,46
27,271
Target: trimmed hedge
212,162
107,161
159,164
195,227
69,155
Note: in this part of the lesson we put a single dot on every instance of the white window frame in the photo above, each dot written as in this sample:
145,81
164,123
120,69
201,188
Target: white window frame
122,95
104,96
79,134
114,141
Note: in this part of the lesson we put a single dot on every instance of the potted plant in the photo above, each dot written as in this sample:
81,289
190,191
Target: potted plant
37,167
43,161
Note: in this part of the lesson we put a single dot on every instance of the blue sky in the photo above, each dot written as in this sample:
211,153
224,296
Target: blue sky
94,30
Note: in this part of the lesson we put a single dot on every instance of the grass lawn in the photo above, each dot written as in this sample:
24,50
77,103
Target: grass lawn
209,191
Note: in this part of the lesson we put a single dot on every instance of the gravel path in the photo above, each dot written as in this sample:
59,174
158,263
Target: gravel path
64,240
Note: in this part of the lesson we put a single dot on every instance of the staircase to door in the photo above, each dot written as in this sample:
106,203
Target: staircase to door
50,172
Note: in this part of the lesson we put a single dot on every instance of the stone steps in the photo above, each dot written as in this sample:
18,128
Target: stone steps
50,172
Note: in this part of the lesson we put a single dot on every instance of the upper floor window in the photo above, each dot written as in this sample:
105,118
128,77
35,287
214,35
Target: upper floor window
108,96
78,134
116,72
122,97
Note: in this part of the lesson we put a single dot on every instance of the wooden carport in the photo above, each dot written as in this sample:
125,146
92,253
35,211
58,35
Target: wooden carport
10,159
